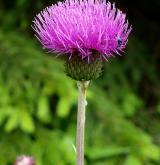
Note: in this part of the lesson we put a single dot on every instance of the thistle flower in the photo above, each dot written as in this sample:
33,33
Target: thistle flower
89,30
24,160
84,27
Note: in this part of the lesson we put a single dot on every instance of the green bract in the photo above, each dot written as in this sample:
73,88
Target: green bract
80,69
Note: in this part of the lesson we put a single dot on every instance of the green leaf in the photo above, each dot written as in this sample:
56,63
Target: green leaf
132,160
151,151
131,103
63,107
12,122
43,111
26,121
97,153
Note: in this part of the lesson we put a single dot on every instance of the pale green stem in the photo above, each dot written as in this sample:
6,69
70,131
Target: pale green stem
82,88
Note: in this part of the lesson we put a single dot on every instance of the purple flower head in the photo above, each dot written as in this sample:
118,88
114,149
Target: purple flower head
83,26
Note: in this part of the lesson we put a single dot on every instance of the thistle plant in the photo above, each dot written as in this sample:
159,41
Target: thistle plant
86,32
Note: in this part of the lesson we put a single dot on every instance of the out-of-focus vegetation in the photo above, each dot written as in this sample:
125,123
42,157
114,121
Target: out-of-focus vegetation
38,102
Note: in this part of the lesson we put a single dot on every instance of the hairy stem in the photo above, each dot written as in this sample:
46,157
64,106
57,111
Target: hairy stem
82,87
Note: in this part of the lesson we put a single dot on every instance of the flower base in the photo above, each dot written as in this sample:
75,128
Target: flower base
82,70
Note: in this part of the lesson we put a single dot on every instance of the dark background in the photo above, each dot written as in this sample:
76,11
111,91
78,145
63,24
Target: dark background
38,102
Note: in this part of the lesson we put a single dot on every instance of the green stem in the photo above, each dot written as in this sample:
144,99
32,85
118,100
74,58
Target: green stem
82,87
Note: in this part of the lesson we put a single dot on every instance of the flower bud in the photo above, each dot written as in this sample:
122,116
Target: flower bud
24,160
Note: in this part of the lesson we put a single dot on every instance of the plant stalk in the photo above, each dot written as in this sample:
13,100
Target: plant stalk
82,88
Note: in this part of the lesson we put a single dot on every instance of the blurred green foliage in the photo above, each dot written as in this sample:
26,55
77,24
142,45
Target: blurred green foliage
38,102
